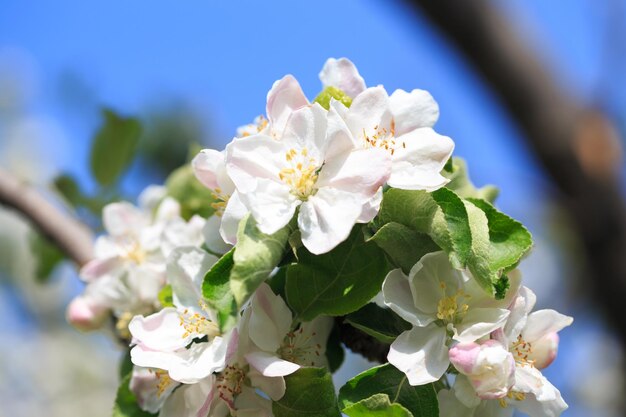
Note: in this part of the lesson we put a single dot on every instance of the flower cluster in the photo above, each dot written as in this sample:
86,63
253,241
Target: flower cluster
347,210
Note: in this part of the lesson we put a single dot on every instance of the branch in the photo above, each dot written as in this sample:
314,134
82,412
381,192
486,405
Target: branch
71,236
577,147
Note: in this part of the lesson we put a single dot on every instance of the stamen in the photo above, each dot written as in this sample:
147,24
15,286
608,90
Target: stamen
302,175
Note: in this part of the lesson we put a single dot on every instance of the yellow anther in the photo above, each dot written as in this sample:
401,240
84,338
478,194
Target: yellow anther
163,381
302,175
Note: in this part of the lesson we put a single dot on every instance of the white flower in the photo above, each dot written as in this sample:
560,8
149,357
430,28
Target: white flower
163,340
129,265
442,304
152,388
489,367
401,124
278,350
311,166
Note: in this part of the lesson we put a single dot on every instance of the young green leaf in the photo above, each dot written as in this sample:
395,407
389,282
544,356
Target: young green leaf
126,403
194,198
216,291
310,392
47,256
113,147
421,400
378,322
255,257
165,296
378,405
461,184
338,282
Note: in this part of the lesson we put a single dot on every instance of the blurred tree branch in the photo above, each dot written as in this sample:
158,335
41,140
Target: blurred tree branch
577,146
71,236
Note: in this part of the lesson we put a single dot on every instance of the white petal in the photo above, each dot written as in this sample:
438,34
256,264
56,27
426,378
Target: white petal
465,393
426,279
144,383
212,236
413,110
520,307
190,400
199,361
160,331
210,169
326,219
96,268
369,110
122,218
274,387
339,139
479,322
371,208
306,128
271,365
450,406
418,162
543,322
362,171
168,209
421,353
272,205
185,272
234,212
270,319
285,96
151,196
252,158
342,74
397,295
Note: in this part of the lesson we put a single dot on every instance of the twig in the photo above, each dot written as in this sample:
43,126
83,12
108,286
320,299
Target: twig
71,236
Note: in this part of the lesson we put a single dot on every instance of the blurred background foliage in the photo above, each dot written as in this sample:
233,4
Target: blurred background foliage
99,100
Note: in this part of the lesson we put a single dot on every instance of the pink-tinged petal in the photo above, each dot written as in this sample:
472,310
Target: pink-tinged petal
342,74
543,322
271,365
326,219
160,331
150,390
306,128
234,212
421,353
479,322
209,168
274,387
520,307
212,237
199,361
86,315
544,350
252,158
339,138
186,268
418,161
272,205
369,112
463,356
285,96
362,171
397,295
122,218
270,320
96,268
413,110
542,398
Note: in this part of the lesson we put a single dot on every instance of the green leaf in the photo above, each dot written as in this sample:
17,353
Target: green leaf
255,257
460,183
378,322
166,297
324,97
378,405
216,291
113,147
126,364
310,392
403,245
67,186
421,400
338,282
126,403
334,350
47,256
194,198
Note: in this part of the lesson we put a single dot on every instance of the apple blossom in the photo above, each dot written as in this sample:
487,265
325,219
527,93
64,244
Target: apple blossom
443,304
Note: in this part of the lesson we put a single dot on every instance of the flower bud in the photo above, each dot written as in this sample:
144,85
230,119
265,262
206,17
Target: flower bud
85,315
544,350
489,366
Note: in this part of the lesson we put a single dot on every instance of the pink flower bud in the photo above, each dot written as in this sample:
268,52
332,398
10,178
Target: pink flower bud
489,366
84,315
544,350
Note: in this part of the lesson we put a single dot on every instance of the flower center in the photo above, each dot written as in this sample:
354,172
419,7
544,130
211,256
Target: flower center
451,309
196,323
163,381
383,138
221,200
229,383
134,252
259,124
301,174
512,395
521,351
298,348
